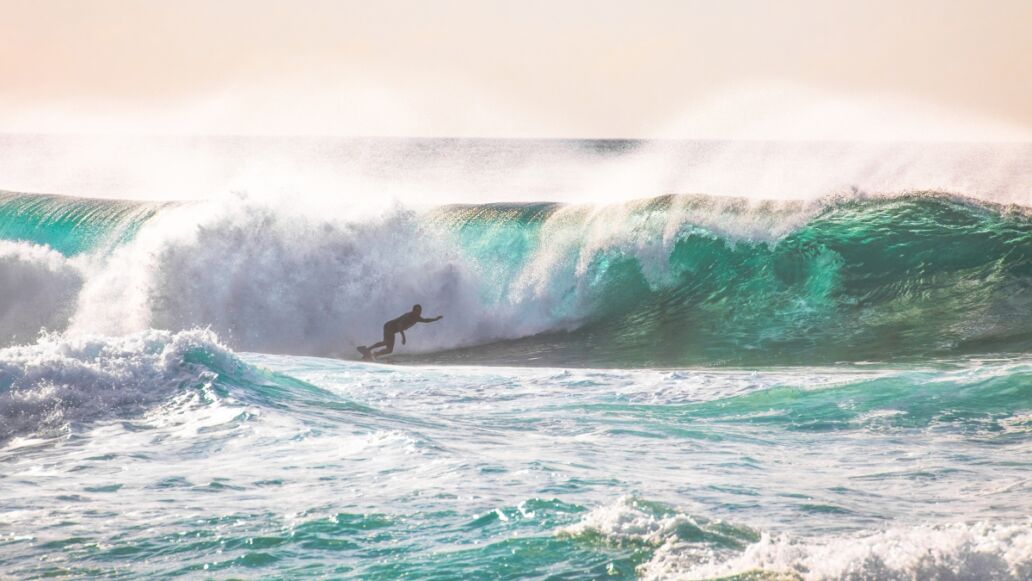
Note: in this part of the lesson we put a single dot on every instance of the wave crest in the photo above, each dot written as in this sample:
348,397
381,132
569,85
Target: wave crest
683,546
64,380
954,551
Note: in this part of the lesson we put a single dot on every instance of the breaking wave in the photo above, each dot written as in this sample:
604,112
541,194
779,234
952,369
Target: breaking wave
59,382
682,546
664,281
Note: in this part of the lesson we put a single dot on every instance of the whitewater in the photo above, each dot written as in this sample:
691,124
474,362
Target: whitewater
658,384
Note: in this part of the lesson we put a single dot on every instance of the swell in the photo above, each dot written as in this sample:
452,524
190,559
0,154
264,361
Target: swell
667,281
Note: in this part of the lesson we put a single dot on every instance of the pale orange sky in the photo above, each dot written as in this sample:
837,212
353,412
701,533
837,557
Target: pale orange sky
599,68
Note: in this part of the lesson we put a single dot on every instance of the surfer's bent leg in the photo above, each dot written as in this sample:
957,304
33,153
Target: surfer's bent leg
388,347
388,337
388,341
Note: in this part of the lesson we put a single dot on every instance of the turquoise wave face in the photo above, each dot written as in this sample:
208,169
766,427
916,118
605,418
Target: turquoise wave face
918,276
71,225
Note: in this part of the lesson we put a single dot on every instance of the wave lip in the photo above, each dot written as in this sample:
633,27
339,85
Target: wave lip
71,225
48,387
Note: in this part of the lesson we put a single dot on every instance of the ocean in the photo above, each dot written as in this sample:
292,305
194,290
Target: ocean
695,376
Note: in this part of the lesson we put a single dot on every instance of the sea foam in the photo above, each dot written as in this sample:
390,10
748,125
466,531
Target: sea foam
38,287
62,380
690,547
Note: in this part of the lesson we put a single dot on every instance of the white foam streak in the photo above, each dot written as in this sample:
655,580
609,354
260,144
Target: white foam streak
947,551
955,551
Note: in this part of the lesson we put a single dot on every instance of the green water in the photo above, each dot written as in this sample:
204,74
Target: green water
71,225
904,278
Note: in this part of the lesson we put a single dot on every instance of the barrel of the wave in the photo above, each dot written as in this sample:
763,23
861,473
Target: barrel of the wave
695,281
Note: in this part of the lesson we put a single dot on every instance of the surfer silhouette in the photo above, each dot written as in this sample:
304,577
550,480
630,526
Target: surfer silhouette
392,327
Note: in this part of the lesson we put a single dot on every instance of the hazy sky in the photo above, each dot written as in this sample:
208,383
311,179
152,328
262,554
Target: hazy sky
599,68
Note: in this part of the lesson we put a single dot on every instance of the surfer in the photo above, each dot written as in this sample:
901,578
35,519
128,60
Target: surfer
390,328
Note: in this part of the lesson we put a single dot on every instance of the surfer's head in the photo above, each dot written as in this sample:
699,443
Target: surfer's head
417,309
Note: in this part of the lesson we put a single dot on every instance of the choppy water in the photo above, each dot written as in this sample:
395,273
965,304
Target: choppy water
197,460
674,387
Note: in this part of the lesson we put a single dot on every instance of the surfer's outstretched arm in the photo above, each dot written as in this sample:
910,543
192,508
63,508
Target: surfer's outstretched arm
431,320
402,337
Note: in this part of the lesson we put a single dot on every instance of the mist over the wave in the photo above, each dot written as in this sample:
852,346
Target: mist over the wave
424,172
305,245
